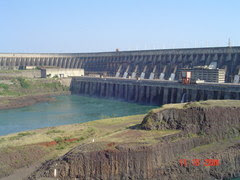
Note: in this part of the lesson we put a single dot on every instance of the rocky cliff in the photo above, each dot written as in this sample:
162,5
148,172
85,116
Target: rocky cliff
213,121
207,132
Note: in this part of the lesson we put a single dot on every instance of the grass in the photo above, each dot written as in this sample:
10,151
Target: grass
217,146
20,135
4,86
113,130
22,86
208,103
54,131
83,131
23,82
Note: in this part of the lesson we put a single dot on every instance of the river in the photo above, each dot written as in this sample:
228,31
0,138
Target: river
65,110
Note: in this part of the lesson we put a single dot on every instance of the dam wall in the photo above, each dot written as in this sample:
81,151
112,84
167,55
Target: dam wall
149,64
154,92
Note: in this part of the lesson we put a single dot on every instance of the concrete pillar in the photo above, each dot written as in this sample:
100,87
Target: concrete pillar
153,73
106,89
141,94
30,61
72,62
165,95
153,94
188,95
9,62
80,87
76,63
126,72
162,75
227,95
136,93
210,94
130,93
95,90
55,63
120,91
64,63
173,95
113,90
41,61
220,95
91,88
179,95
201,95
147,94
80,64
102,91
142,76
68,61
60,62
119,71
51,61
98,89
3,62
126,92
17,61
14,61
88,88
47,62
194,95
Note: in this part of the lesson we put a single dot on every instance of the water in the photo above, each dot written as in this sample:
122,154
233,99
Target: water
65,110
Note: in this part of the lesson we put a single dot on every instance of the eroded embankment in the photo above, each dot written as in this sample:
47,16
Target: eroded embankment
208,132
20,92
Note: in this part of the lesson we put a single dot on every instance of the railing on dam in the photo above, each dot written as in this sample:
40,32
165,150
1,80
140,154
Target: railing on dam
154,92
156,64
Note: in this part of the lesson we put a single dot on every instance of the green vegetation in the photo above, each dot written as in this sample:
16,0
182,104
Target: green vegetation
55,85
23,86
20,135
4,86
54,131
2,140
100,130
208,103
23,82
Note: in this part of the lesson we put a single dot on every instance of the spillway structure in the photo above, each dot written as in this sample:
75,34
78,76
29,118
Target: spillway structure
146,76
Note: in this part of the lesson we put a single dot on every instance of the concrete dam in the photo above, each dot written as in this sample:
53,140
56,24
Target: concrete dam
162,63
154,92
157,69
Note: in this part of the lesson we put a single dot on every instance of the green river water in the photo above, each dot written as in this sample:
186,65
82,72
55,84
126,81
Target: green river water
65,110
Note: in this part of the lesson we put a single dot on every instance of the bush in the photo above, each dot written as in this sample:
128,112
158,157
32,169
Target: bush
23,82
54,131
4,86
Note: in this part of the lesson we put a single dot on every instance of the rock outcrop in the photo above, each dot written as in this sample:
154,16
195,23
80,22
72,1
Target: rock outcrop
218,122
200,127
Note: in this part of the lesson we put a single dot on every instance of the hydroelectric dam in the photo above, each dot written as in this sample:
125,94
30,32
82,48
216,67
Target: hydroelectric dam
156,69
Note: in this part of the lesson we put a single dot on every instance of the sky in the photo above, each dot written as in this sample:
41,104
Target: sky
74,26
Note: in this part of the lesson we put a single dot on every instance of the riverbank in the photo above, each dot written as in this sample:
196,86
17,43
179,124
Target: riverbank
17,150
28,100
152,143
198,140
21,92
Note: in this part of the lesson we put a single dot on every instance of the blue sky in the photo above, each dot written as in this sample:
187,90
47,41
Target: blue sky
104,25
